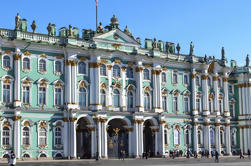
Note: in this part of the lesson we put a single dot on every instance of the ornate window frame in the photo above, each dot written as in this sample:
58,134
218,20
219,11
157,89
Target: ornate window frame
42,124
198,98
198,80
165,93
58,124
58,84
214,138
43,82
167,137
7,80
132,70
46,65
11,62
119,97
26,81
10,124
103,87
234,131
175,94
86,68
145,77
105,69
188,79
232,102
148,90
187,128
30,64
176,74
186,95
29,124
62,67
131,88
200,136
83,84
163,74
118,75
177,128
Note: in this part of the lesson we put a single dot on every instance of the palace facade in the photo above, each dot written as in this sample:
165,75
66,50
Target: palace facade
70,96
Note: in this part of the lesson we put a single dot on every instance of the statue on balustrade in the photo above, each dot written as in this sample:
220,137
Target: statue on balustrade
191,49
178,48
49,29
247,61
223,53
17,21
33,26
154,44
100,28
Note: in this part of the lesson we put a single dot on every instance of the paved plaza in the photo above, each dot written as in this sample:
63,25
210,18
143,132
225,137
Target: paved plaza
140,162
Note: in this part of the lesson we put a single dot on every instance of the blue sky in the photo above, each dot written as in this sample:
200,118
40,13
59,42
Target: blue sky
210,24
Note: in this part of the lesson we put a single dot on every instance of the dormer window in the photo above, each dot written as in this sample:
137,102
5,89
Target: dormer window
116,71
42,65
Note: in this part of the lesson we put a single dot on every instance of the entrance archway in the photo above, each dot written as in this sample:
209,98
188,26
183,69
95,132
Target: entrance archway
149,138
83,138
117,138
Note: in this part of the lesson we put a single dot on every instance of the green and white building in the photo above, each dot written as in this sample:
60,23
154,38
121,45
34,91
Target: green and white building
70,96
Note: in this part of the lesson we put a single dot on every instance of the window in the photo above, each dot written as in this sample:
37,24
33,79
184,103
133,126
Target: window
187,137
186,104
231,109
176,137
146,74
42,136
6,136
58,136
221,105
198,105
230,89
175,78
58,67
42,96
186,79
26,136
221,137
199,137
166,137
147,101
116,98
116,71
164,103
42,65
103,97
6,62
6,93
102,70
26,64
163,77
211,136
58,96
209,81
197,81
129,72
129,99
81,68
175,104
82,96
26,94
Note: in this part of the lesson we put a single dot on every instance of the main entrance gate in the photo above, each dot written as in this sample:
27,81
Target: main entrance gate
149,138
117,138
83,139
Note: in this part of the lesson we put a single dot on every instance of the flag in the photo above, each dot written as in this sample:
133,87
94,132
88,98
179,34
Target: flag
96,2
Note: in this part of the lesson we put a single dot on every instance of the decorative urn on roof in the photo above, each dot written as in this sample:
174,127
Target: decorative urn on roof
114,22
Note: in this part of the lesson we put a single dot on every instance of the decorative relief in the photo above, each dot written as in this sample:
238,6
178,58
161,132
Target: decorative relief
7,51
138,69
147,66
67,62
123,68
164,69
117,61
94,65
109,67
225,79
83,58
74,63
82,84
130,64
147,89
6,124
17,57
103,86
104,61
43,55
204,77
59,56
206,123
16,118
27,53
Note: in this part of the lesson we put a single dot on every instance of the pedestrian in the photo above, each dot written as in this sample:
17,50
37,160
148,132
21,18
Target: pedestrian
146,154
216,157
195,154
188,153
248,154
212,154
12,159
241,155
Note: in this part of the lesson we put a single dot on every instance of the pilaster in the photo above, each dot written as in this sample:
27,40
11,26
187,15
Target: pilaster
226,100
74,102
17,99
68,82
17,134
195,135
195,111
205,91
139,90
123,96
161,142
217,135
109,95
228,136
66,135
206,134
216,91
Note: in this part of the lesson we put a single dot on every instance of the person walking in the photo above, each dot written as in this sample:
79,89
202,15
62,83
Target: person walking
216,157
241,155
12,159
248,154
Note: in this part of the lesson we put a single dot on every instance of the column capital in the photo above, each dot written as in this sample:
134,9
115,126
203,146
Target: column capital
16,117
17,57
139,69
94,65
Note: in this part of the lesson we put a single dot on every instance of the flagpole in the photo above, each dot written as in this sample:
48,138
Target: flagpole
96,15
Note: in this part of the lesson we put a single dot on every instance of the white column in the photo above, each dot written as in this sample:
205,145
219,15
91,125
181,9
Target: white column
205,92
228,136
159,94
17,135
109,95
245,145
99,139
217,137
68,82
73,138
241,139
135,139
240,99
65,136
139,89
243,101
206,134
74,83
123,95
155,89
93,143
95,84
156,142
216,97
104,139
195,111
141,142
226,100
195,137
130,143
161,142
17,99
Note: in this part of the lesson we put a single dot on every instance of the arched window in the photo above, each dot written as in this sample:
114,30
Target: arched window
42,65
6,136
147,101
129,72
175,104
26,64
116,98
58,96
58,136
175,78
186,104
164,102
221,137
42,95
211,136
116,71
81,68
231,109
42,136
199,137
6,62
58,67
26,94
26,136
176,137
146,74
187,137
6,93
42,155
102,70
198,81
129,99
103,97
82,96
163,77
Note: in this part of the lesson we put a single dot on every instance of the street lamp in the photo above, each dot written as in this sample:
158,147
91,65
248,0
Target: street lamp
96,118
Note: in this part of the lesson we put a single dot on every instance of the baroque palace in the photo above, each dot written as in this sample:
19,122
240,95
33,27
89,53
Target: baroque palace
68,96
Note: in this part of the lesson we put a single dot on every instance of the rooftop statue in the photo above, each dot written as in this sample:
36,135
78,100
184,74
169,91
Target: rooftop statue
33,26
70,31
247,61
127,31
17,21
178,48
154,44
49,29
114,22
100,28
205,58
167,48
223,53
191,49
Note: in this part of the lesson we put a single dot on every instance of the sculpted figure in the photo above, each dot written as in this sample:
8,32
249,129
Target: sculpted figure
33,26
17,21
154,44
49,29
167,48
191,49
222,53
178,48
247,60
70,30
100,28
